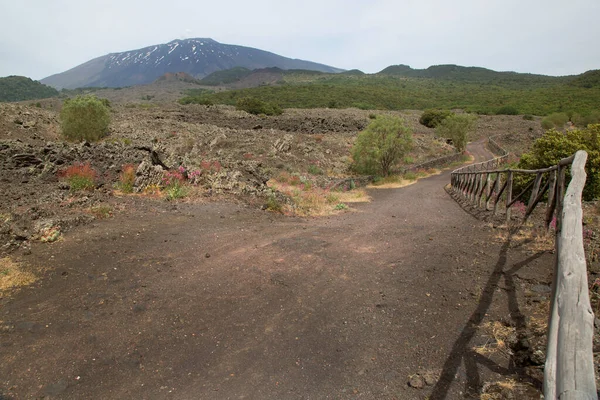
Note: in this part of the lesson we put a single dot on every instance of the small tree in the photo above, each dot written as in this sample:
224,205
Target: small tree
432,118
84,118
386,140
457,127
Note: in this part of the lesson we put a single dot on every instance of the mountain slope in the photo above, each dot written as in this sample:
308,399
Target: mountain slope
19,88
196,57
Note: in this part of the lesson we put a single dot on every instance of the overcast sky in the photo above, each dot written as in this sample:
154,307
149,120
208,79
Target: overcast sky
553,37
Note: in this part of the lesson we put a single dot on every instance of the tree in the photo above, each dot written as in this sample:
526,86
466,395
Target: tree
84,118
379,147
457,127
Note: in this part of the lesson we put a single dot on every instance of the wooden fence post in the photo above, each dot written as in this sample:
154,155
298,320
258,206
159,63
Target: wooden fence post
509,182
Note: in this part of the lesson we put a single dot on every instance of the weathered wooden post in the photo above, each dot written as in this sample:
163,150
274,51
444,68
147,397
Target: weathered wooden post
509,183
569,370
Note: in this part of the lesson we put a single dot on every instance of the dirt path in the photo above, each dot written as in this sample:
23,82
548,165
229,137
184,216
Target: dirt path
219,301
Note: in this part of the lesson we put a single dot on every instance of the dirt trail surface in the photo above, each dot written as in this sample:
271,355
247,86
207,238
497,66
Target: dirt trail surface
220,301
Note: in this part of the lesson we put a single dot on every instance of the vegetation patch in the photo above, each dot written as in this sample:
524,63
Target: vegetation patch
12,275
126,178
256,106
479,92
381,146
20,88
307,199
80,177
84,118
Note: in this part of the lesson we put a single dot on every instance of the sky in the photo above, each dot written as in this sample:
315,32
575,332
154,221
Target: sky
39,38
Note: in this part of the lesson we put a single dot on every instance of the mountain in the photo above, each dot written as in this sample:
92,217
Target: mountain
196,57
19,88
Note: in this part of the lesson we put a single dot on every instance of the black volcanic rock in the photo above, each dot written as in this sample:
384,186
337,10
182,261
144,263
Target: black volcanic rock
196,57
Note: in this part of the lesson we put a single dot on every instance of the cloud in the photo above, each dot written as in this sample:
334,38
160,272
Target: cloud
39,38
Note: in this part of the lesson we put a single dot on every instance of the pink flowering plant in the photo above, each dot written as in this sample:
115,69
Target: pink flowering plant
174,183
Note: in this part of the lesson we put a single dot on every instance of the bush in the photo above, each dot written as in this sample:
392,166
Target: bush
528,117
84,118
378,148
585,120
457,127
555,120
432,118
256,106
80,177
554,146
507,110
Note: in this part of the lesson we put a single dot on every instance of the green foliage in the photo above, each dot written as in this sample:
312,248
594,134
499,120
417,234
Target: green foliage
432,118
555,145
341,206
584,120
314,170
457,127
587,80
555,120
202,100
273,204
20,88
483,92
507,110
226,76
378,148
528,117
257,107
84,118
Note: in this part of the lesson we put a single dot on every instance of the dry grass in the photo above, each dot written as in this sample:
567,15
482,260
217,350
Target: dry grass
500,333
528,237
309,200
13,276
399,181
509,388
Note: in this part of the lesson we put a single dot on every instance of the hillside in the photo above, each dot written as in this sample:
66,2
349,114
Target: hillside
196,57
469,74
401,87
20,88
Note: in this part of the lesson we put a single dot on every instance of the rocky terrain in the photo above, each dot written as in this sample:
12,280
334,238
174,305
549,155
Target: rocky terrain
233,153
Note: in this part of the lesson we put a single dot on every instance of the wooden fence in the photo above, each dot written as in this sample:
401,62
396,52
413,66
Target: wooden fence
569,369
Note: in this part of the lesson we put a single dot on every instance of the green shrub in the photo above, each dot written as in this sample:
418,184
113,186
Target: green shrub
314,170
585,120
528,117
554,146
378,148
84,118
457,127
547,124
255,106
555,120
432,118
507,110
273,204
